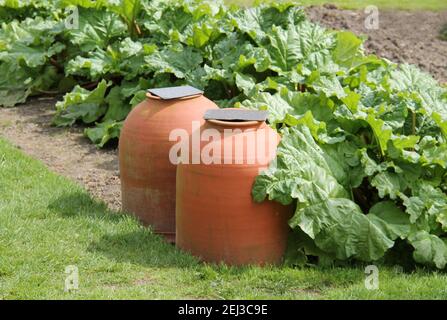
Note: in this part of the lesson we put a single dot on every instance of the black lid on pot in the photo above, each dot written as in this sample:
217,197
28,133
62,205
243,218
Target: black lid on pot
233,114
169,93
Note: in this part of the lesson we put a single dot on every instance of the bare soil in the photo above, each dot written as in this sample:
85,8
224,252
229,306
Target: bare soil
402,37
64,150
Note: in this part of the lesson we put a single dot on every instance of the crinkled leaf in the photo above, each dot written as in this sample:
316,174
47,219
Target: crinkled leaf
179,63
340,227
82,104
104,132
392,220
429,249
97,28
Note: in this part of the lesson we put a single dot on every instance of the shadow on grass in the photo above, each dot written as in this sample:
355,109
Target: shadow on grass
139,246
130,242
80,203
144,248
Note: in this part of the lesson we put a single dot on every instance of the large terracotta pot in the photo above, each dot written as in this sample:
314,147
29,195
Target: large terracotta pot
147,173
217,220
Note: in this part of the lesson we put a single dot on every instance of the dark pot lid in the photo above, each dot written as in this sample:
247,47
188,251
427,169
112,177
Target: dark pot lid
233,114
169,93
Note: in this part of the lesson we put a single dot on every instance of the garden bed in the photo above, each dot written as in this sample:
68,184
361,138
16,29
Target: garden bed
67,152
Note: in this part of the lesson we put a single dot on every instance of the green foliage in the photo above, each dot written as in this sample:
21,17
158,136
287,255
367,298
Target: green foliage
103,132
370,173
363,154
27,51
443,33
81,104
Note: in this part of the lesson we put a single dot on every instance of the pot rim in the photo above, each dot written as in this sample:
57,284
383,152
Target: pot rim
151,96
243,123
224,123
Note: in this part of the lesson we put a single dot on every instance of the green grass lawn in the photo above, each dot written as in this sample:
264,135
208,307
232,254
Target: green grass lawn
360,4
48,222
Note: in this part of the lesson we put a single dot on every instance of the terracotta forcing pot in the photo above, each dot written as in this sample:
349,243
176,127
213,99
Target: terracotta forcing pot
147,172
217,220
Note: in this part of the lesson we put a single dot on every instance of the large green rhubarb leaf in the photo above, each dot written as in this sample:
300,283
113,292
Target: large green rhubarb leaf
429,249
97,29
81,104
324,211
